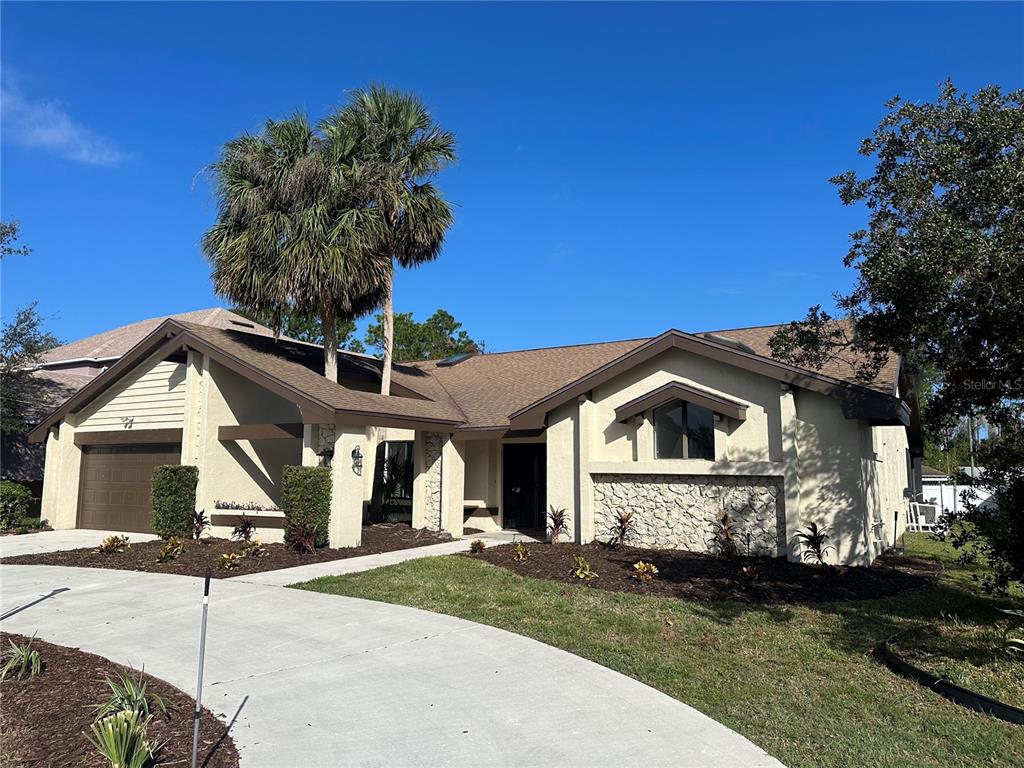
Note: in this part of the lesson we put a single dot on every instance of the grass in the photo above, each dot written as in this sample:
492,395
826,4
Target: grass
799,681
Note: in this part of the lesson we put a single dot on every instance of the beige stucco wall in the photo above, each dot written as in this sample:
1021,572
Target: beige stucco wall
242,470
150,397
830,470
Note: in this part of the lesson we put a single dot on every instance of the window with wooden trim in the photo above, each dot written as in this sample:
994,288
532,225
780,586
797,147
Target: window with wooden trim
683,430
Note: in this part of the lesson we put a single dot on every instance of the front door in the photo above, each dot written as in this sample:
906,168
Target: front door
524,477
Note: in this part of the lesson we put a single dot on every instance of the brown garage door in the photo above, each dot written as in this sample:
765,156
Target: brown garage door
115,481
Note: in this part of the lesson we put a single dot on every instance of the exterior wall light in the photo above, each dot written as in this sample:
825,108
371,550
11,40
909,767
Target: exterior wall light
357,460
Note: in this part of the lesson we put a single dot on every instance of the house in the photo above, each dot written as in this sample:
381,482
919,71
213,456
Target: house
940,494
64,370
678,428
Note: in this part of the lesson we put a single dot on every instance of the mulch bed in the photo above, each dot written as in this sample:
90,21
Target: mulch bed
42,718
203,554
703,578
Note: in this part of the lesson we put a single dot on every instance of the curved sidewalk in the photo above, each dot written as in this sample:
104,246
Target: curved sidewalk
321,680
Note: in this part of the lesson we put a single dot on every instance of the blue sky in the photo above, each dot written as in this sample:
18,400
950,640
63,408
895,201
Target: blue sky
622,169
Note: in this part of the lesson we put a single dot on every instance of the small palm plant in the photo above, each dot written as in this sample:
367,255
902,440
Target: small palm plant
623,528
725,534
121,739
558,524
21,661
814,540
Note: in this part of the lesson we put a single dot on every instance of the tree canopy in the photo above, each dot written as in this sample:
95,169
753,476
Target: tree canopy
10,233
940,280
306,328
440,335
296,232
22,342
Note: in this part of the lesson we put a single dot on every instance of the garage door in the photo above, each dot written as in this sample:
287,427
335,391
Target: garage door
115,484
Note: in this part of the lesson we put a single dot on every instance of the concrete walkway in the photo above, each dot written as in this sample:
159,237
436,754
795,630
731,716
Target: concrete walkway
55,541
285,576
321,680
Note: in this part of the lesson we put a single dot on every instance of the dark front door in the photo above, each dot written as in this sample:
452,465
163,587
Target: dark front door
524,476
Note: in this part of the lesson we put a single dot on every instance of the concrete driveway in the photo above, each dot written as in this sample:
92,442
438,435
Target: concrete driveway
55,541
320,680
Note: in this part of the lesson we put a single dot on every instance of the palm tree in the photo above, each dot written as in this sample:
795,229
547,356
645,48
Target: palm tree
399,149
295,230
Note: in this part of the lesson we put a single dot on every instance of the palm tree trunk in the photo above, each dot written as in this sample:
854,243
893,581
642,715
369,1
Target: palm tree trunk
389,332
329,320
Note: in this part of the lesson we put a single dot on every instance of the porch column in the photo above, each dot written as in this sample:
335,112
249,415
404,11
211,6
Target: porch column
61,473
790,473
453,486
428,450
346,524
310,445
563,487
587,436
194,435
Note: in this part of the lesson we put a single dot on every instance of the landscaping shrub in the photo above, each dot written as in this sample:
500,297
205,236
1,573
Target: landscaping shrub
520,552
582,568
558,523
113,544
121,739
623,528
21,661
725,534
644,572
200,524
306,501
15,502
254,548
174,500
170,550
815,547
245,529
476,546
229,560
130,693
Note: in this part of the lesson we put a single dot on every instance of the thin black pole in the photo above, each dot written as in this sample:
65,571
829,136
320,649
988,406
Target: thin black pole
199,683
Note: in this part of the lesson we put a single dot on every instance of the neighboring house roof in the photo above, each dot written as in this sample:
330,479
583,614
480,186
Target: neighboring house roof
111,345
483,392
927,471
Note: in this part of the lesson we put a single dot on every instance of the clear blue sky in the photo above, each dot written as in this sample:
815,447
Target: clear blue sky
622,169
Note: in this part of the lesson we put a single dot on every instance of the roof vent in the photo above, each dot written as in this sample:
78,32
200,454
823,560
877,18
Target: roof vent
454,359
728,342
243,323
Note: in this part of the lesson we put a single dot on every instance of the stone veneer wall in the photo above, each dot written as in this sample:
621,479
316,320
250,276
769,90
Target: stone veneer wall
433,442
679,511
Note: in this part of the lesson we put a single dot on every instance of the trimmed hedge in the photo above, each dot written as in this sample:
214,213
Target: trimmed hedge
174,499
306,501
15,503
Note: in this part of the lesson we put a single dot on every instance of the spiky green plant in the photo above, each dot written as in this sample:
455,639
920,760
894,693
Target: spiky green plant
814,540
121,739
558,523
21,661
127,692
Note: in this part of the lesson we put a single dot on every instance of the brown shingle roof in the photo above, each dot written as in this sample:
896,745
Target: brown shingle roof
114,343
490,387
300,366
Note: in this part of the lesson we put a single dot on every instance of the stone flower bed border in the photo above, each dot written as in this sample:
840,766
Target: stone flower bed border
955,693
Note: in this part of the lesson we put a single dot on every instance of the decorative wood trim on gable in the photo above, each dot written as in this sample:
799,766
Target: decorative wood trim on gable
259,431
129,437
676,390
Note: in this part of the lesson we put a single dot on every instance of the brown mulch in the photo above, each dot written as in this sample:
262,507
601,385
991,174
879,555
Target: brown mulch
705,578
42,718
203,554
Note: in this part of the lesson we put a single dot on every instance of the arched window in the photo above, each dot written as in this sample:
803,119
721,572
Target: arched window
684,431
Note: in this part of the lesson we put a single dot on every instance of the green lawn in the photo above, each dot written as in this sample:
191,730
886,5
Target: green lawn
800,681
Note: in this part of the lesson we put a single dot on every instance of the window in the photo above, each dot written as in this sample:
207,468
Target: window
398,471
684,431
